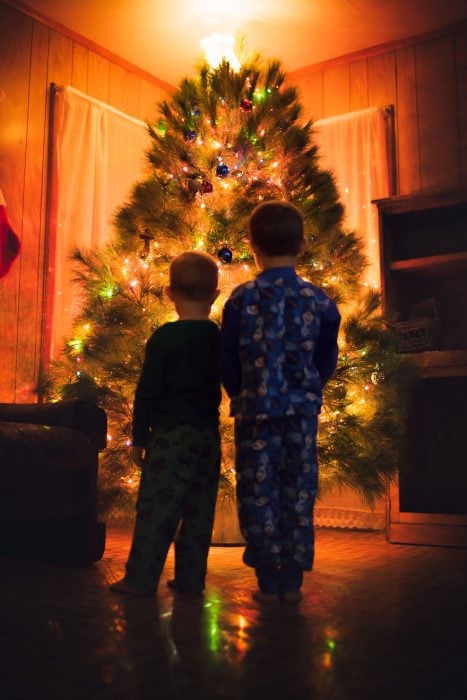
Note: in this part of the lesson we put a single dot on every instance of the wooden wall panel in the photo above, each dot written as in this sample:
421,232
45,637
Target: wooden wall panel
358,75
60,59
149,97
336,91
31,259
15,56
124,90
382,79
461,78
98,76
437,109
311,96
408,161
32,55
79,67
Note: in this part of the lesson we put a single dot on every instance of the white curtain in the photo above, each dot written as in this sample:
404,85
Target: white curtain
357,147
98,153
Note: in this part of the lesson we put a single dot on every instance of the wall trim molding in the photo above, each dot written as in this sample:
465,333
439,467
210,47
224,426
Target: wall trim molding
88,44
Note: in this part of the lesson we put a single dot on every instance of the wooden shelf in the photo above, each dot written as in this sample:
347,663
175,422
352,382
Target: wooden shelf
421,201
439,363
423,244
432,265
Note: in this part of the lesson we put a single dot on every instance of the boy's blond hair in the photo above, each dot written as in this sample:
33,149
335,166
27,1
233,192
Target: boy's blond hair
194,276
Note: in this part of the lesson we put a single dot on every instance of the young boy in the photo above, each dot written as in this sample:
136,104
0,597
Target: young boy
176,436
278,349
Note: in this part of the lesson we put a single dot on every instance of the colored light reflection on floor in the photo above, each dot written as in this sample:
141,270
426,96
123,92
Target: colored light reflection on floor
211,619
330,642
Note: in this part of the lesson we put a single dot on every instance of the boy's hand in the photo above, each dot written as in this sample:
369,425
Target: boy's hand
137,455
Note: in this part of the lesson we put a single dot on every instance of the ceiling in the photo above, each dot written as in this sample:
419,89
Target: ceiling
163,36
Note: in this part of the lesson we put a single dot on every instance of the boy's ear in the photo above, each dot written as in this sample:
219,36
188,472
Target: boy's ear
256,254
168,293
302,248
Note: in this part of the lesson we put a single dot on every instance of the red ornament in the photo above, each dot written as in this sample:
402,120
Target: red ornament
206,187
246,105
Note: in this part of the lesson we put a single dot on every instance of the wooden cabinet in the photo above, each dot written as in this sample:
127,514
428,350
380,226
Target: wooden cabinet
423,242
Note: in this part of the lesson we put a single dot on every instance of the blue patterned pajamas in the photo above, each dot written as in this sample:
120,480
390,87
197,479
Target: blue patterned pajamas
277,481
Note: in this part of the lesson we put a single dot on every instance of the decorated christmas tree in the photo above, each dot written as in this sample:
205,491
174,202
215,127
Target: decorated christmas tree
225,141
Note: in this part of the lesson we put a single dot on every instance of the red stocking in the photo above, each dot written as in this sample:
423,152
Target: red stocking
9,242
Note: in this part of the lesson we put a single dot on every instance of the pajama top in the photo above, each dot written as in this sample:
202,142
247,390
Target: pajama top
278,345
179,382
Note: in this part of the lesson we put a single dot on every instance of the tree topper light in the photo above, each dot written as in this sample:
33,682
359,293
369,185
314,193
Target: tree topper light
220,47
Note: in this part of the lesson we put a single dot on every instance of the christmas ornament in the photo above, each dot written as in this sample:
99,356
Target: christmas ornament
161,128
225,255
190,135
378,376
196,112
259,95
340,391
206,187
9,241
146,237
194,183
222,170
246,105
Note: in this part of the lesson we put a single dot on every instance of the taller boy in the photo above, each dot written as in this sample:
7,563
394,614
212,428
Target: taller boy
278,349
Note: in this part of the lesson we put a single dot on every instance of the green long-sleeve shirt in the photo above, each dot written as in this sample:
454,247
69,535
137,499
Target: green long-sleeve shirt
179,382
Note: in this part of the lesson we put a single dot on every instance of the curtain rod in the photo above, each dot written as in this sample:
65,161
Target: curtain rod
68,88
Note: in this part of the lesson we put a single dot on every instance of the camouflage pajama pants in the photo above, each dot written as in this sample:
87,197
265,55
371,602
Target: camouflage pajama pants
178,488
277,481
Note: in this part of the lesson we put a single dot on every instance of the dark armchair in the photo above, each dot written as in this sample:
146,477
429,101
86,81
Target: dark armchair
48,481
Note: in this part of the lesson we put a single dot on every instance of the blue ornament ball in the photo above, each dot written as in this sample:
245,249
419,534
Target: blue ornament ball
225,255
190,135
222,170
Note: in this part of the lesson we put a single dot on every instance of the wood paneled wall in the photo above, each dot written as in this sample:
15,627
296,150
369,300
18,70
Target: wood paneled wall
32,56
426,80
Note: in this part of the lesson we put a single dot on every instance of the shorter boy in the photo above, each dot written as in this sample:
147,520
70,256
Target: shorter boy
278,349
176,436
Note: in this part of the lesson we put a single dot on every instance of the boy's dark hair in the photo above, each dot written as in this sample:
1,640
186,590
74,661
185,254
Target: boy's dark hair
276,228
194,275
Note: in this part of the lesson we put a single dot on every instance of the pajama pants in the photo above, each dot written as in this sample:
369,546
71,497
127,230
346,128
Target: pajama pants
277,481
178,487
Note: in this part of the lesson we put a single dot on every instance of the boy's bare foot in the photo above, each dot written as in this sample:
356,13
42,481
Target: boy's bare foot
292,596
265,597
126,588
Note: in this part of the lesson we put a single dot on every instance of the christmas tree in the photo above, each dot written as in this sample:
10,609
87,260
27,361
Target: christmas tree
225,141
